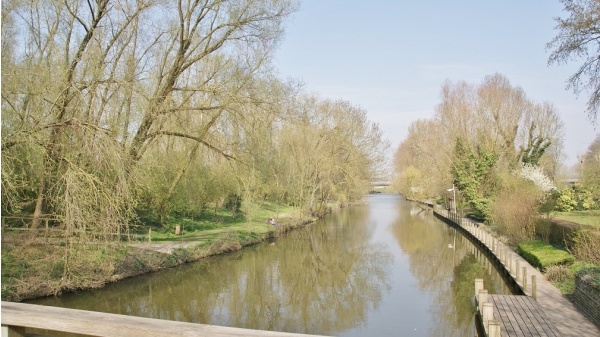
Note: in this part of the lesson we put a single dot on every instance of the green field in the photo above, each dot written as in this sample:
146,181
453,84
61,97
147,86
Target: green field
591,218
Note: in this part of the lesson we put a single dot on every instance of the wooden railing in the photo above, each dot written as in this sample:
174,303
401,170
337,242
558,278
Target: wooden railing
16,317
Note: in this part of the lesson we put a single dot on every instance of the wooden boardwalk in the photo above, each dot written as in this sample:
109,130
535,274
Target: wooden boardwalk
568,318
521,316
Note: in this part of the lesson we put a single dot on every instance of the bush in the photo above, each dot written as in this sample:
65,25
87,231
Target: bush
542,255
591,275
514,211
566,201
586,244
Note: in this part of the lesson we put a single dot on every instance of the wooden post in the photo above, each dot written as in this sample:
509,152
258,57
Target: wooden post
509,258
149,234
487,313
494,329
517,267
482,296
524,278
46,230
478,286
13,331
533,287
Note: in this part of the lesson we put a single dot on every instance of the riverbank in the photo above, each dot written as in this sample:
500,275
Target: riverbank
32,267
569,318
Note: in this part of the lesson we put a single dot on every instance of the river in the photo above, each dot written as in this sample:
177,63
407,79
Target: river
386,268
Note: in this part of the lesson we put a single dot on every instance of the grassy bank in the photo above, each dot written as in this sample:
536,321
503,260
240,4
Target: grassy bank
591,218
33,267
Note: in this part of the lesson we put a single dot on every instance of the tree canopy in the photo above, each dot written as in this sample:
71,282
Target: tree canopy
111,109
578,38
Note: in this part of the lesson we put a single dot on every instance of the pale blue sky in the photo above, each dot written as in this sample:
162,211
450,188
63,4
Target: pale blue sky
391,57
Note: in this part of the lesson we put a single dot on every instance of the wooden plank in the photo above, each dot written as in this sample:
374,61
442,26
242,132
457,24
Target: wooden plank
521,316
537,317
524,320
535,325
104,325
548,327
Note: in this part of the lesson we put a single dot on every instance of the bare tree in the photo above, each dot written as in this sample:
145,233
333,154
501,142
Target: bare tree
579,38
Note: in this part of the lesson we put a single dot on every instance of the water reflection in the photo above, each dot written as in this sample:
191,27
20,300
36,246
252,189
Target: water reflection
321,280
446,265
380,269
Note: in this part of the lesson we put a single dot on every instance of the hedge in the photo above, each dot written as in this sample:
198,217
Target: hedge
542,255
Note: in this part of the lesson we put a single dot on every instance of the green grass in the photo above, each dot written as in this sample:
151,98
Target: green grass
543,255
591,218
211,225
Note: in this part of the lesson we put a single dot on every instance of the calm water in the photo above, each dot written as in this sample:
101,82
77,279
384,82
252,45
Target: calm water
382,269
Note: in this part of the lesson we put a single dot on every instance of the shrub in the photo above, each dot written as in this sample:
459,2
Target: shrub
591,275
566,201
543,255
586,244
514,211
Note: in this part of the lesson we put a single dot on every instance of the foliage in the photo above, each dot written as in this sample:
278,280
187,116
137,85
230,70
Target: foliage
548,203
590,176
472,172
480,131
566,201
577,198
410,182
591,275
536,175
514,210
563,277
543,255
586,244
577,38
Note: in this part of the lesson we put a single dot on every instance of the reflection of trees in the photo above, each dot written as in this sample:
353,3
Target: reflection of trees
323,279
447,274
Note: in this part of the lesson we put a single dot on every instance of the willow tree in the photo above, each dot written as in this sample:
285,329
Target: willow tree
334,152
90,87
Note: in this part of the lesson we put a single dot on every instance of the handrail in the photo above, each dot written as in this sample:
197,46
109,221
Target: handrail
17,316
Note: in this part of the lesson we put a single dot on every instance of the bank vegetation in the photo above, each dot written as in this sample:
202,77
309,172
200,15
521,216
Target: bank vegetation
499,154
122,114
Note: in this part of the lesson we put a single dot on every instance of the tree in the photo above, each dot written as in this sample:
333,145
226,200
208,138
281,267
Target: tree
579,38
90,87
473,172
590,178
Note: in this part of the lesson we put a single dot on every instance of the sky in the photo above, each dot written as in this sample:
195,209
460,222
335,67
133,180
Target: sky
392,57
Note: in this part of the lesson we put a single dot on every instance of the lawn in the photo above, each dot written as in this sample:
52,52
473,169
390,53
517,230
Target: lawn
591,218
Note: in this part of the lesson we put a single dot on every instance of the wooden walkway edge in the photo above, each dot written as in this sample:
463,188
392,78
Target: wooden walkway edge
17,316
569,319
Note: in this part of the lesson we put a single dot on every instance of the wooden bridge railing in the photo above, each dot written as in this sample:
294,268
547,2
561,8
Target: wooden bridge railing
18,316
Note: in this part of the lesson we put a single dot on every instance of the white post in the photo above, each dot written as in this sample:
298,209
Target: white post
13,331
482,296
478,286
533,287
494,329
487,312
